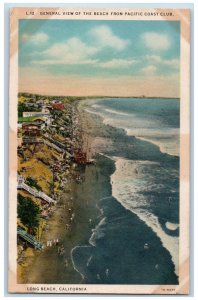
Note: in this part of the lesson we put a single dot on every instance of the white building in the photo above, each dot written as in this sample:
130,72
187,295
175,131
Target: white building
43,113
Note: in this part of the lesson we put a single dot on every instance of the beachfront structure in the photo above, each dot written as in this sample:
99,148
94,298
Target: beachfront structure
44,112
23,186
56,101
33,105
29,238
42,121
80,157
58,106
31,129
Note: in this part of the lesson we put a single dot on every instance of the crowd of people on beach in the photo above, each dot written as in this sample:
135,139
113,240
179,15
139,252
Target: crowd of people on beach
60,249
51,243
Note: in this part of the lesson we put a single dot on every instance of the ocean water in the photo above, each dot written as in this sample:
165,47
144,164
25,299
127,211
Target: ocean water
137,238
154,120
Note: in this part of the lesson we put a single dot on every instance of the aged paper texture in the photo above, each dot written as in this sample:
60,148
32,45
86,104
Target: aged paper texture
99,150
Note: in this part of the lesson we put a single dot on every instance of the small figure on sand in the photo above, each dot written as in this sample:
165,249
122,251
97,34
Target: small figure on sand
67,226
49,243
72,217
61,250
66,263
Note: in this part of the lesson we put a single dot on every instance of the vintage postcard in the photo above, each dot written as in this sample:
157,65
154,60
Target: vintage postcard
99,150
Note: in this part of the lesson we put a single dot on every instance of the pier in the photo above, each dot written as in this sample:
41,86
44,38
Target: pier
29,238
23,186
43,141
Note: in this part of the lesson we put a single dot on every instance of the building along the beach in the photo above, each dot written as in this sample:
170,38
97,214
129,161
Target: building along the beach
43,113
58,106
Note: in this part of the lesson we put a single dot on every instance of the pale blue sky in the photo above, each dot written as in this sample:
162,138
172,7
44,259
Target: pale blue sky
99,49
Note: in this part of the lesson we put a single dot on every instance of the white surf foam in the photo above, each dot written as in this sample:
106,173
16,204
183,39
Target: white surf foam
107,156
92,112
147,130
74,266
116,112
96,106
168,142
129,179
172,226
97,232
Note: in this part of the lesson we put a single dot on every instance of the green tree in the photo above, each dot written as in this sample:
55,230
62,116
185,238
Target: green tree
33,183
21,109
28,212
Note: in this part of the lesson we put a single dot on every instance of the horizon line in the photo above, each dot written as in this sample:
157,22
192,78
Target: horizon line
99,96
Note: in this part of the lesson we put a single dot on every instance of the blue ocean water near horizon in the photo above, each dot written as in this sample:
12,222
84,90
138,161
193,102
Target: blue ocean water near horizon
156,120
146,184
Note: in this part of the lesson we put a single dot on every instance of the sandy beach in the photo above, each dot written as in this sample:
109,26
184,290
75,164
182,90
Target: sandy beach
80,199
